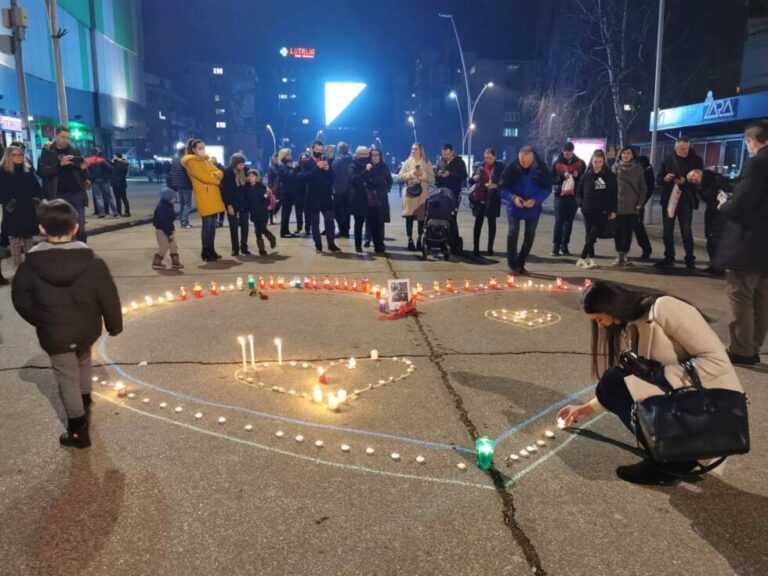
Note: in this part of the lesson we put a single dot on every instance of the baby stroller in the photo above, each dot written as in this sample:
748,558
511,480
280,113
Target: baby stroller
440,225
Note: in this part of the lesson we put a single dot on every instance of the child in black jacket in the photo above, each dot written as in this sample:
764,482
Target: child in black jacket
165,231
257,200
65,291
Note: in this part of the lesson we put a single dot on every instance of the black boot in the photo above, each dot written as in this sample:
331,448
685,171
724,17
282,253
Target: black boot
77,435
87,402
649,473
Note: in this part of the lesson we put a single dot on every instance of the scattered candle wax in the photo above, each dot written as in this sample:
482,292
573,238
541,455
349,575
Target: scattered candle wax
248,427
461,466
163,404
395,456
369,451
198,415
279,433
145,400
299,438
524,453
514,457
346,448
374,354
561,423
319,443
178,409
420,459
541,443
549,434
222,420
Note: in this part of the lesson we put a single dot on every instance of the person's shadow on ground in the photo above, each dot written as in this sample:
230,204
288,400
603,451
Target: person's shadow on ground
37,372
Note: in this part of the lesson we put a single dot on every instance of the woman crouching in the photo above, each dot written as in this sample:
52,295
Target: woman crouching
656,327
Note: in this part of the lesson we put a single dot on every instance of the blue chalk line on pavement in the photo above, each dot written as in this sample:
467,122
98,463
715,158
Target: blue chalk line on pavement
311,459
554,406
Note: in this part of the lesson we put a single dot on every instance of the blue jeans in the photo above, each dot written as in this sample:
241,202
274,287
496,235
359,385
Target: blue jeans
330,228
209,235
185,205
516,259
104,191
565,212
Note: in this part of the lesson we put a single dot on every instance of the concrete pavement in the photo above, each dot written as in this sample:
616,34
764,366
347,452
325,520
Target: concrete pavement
166,492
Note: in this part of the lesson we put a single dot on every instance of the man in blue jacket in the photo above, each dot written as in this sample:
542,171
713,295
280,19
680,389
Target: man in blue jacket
525,185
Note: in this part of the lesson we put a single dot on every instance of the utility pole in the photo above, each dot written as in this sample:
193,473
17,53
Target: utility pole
656,95
96,82
56,35
15,18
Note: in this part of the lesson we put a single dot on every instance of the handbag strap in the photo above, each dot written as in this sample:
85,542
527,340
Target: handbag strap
693,374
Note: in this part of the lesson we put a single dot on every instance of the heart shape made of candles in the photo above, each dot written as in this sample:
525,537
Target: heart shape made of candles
529,319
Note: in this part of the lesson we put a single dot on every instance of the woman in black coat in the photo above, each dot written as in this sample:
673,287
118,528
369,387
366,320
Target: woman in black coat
21,193
382,184
485,198
232,192
597,194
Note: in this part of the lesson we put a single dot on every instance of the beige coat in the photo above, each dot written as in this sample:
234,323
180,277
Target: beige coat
673,332
415,206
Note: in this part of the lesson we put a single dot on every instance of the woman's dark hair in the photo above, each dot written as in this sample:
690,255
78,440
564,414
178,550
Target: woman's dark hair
236,158
624,304
192,144
491,151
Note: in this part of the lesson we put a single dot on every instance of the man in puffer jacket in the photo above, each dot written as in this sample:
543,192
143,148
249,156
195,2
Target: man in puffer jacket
525,184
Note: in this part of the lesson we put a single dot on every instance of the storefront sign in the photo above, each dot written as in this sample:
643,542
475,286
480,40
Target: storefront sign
719,109
10,124
298,53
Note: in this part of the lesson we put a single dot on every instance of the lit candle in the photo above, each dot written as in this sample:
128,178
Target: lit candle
134,306
341,395
149,301
314,283
560,284
251,282
253,355
436,287
169,296
183,295
281,283
121,390
354,285
377,292
484,447
271,282
317,394
493,284
333,402
124,310
346,284
382,306
239,283
336,284
374,354
467,285
197,291
352,363
510,281
321,376
161,300
279,343
214,289
449,285
419,288
241,340
366,285
327,283
262,283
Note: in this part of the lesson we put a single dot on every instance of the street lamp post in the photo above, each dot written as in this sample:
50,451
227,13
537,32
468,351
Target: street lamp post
472,118
455,97
56,36
412,122
549,125
274,139
463,67
656,96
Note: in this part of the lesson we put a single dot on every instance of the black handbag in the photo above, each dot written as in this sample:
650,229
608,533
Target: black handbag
413,191
608,229
692,423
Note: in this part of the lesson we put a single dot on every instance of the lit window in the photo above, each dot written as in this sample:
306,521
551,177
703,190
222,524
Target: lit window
160,115
218,71
221,124
282,96
511,132
220,111
216,98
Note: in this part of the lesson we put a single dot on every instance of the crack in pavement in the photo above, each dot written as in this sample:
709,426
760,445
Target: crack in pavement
508,502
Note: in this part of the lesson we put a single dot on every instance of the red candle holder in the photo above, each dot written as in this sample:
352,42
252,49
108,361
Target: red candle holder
197,291
262,283
183,294
214,288
366,287
336,284
314,283
492,284
354,285
327,283
271,282
449,285
511,281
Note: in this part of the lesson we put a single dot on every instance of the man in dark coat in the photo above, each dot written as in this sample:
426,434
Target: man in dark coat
451,173
180,183
673,172
120,184
566,172
317,174
708,185
63,171
341,188
742,251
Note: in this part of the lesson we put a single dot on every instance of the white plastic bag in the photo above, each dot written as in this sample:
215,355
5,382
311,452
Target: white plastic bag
674,200
569,186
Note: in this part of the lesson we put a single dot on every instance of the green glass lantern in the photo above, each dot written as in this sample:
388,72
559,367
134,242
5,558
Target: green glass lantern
484,448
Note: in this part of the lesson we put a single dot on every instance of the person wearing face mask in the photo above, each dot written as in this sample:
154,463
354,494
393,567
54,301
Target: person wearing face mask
597,196
316,173
20,194
364,200
379,212
290,193
206,181
525,185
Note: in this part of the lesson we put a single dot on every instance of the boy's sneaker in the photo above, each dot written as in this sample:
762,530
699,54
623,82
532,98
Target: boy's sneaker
157,262
591,264
176,262
581,263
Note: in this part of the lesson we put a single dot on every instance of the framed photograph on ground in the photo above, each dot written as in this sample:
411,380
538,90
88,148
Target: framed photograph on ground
399,293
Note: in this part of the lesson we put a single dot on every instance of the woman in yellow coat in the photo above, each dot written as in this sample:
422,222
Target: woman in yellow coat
206,178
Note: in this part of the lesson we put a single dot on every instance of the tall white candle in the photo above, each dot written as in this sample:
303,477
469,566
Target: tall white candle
279,344
241,339
253,354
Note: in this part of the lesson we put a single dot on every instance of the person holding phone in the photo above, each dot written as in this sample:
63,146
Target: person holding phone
64,173
418,176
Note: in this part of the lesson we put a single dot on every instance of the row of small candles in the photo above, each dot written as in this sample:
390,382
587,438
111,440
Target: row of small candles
342,284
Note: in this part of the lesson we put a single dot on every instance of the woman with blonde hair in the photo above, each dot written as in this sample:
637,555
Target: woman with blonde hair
418,176
20,193
206,181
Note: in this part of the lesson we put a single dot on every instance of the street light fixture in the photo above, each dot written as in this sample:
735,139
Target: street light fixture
488,85
412,122
455,97
274,140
